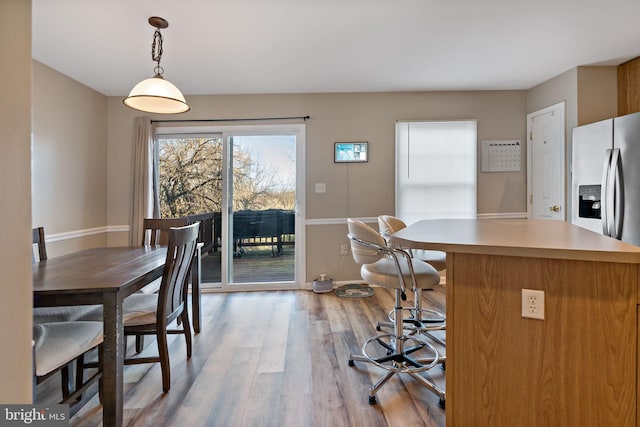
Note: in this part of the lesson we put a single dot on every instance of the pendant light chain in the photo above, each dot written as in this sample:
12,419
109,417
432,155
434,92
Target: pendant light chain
156,51
156,94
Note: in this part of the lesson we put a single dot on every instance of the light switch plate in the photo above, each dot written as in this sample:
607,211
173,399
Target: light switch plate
321,187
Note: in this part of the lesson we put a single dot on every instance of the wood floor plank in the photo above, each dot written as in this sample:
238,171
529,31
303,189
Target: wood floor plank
263,401
297,401
274,359
355,383
273,352
328,404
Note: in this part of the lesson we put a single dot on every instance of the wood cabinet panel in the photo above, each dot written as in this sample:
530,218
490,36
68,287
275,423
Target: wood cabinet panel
629,87
576,367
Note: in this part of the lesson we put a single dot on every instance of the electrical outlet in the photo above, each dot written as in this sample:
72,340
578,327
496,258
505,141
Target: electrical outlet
344,249
533,304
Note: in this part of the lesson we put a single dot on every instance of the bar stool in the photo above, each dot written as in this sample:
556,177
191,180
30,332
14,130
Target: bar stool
396,352
420,319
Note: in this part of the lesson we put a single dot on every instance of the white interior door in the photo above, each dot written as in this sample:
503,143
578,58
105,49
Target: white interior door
546,163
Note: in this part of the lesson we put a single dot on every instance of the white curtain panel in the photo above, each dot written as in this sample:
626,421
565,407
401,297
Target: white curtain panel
145,203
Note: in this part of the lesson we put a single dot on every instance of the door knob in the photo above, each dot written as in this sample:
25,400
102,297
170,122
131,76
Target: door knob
554,208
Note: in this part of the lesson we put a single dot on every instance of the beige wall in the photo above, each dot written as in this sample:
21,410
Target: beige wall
79,129
360,190
562,88
589,94
69,160
597,94
15,199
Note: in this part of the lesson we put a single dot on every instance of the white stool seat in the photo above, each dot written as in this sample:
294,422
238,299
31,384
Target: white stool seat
384,273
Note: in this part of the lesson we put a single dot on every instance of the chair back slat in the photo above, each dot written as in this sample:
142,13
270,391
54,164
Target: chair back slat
38,239
155,231
181,248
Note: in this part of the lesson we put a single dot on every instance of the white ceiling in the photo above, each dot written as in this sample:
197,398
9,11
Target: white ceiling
293,46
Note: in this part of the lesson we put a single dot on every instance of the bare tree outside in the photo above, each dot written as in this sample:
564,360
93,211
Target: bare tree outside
190,178
262,194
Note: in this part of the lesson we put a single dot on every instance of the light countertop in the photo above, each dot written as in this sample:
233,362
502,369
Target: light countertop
516,237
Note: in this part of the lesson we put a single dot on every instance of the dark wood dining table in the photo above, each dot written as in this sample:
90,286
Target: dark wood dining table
101,276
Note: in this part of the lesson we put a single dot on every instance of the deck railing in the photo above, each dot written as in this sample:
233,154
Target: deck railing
269,227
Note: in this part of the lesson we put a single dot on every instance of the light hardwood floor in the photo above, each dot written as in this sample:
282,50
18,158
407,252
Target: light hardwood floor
274,359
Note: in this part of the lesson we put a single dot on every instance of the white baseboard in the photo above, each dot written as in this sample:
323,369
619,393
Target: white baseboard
309,285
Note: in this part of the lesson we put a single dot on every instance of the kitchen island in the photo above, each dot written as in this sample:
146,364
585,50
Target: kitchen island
578,366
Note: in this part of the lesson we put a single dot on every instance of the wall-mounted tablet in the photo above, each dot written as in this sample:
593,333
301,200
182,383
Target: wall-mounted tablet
351,152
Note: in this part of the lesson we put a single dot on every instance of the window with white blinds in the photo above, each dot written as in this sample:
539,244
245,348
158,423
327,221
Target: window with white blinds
436,170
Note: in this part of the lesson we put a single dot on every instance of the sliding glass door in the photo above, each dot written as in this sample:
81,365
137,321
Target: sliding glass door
244,185
262,200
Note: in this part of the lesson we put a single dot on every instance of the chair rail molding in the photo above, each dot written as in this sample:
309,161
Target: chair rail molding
374,220
75,234
337,221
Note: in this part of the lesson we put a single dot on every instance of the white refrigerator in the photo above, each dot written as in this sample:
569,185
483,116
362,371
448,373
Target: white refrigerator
606,177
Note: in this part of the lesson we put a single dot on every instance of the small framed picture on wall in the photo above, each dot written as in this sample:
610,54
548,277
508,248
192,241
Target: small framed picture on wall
351,152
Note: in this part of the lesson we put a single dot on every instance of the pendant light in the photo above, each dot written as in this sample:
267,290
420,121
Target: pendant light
157,95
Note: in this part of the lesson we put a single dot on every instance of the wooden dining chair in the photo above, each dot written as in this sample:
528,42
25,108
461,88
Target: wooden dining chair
52,314
38,239
57,345
171,301
56,316
154,314
155,232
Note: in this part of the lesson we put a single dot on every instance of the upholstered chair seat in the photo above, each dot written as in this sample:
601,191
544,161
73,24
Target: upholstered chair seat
59,343
137,309
61,314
